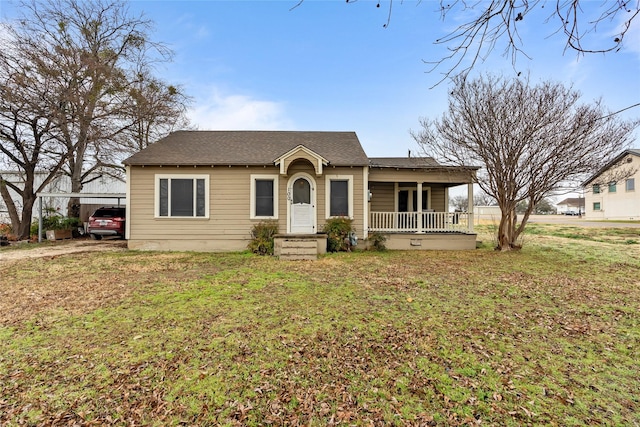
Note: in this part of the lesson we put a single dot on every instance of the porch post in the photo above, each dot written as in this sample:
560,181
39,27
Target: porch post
396,204
39,219
419,206
366,204
470,206
446,199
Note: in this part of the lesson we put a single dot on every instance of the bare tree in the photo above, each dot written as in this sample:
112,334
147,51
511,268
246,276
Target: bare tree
531,141
544,207
155,109
91,47
480,198
495,23
151,110
92,53
28,134
461,202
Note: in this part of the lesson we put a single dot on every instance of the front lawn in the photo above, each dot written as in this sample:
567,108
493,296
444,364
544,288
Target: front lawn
549,335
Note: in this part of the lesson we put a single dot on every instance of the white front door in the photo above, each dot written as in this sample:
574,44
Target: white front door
302,216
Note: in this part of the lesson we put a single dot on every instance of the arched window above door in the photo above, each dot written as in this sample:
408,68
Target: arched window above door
301,191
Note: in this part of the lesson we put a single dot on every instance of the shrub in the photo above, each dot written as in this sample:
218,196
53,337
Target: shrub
262,237
33,231
5,229
376,241
337,230
6,234
52,220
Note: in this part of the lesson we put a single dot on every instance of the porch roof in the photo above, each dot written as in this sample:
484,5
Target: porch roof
428,163
402,162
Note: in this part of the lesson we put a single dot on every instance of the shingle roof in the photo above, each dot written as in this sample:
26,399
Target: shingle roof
413,163
248,148
402,162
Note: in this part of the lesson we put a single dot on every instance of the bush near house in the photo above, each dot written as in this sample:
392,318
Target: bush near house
376,242
337,230
262,237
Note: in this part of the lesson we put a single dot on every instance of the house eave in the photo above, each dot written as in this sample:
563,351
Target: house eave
428,168
603,169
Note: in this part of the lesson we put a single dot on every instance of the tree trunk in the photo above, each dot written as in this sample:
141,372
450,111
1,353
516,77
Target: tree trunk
507,236
20,224
11,206
73,207
24,231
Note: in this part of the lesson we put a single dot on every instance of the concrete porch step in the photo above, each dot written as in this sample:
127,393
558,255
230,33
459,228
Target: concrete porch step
299,247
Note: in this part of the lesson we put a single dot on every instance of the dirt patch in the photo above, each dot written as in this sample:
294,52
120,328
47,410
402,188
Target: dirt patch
64,247
33,280
43,282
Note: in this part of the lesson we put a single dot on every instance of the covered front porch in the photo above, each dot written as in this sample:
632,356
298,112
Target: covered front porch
421,222
425,230
409,204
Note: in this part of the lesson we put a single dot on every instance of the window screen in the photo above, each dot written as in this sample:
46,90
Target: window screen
339,198
264,197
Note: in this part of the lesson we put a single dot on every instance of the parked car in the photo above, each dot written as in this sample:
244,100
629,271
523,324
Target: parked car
107,221
572,213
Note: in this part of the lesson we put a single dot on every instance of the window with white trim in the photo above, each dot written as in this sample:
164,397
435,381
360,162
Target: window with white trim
630,184
264,197
182,196
339,195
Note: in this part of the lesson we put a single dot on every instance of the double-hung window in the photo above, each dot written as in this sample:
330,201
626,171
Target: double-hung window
596,206
612,187
182,196
596,188
339,198
264,197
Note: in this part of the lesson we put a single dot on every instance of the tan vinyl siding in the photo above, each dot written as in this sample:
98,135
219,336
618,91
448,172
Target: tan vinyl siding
437,197
229,223
382,197
229,202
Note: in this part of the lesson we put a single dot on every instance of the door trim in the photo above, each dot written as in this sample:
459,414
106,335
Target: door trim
313,199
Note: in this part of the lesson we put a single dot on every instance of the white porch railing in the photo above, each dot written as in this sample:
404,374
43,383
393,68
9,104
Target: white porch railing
421,222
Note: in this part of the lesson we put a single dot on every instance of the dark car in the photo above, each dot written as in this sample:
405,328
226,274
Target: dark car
107,221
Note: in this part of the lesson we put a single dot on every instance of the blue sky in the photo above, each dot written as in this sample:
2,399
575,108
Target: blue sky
329,65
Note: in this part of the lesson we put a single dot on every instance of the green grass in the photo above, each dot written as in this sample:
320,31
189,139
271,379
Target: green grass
548,335
622,235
